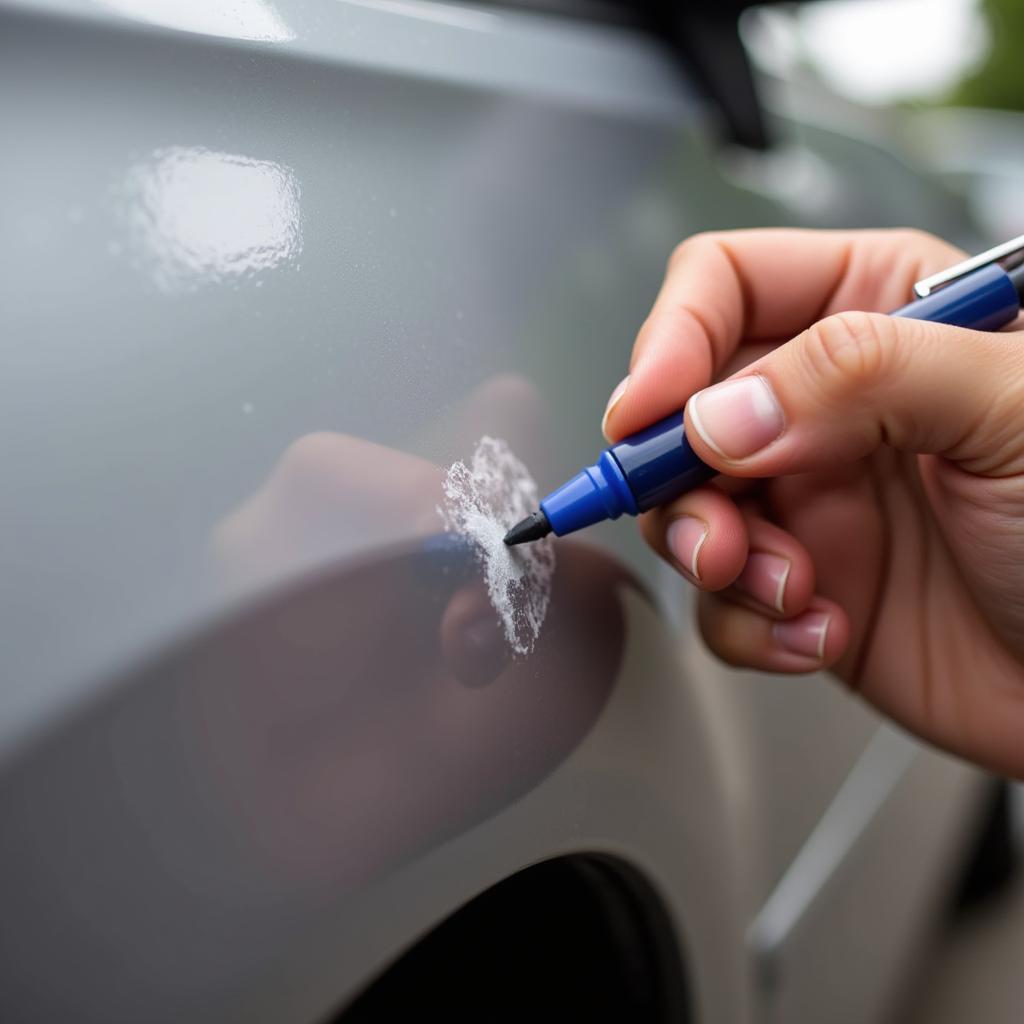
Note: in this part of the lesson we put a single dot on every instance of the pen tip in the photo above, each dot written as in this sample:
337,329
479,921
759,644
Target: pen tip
533,527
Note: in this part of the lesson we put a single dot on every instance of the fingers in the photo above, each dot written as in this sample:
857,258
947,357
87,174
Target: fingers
717,546
703,535
729,288
777,579
765,614
856,381
742,636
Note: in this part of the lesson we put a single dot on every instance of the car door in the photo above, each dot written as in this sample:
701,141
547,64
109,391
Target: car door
270,270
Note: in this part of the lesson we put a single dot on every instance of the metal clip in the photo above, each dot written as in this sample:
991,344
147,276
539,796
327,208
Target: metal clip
1008,255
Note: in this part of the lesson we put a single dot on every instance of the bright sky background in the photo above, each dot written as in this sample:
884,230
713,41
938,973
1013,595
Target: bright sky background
873,51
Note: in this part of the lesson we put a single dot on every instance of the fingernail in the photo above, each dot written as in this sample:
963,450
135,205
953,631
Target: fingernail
804,635
620,390
685,537
738,417
764,578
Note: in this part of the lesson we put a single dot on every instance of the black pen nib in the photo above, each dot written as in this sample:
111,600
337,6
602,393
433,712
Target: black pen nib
533,527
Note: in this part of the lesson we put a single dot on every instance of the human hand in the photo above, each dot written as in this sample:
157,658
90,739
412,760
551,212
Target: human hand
886,542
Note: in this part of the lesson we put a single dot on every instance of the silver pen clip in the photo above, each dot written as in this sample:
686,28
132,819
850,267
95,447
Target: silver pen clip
1008,255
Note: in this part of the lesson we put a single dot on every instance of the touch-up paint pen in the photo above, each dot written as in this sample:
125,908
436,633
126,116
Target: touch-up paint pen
655,465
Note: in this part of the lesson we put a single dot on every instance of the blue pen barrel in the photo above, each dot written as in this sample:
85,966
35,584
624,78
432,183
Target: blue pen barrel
642,471
656,465
985,300
599,492
659,463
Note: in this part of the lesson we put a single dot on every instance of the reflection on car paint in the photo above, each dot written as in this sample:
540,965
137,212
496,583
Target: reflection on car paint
196,216
257,20
354,705
444,14
330,733
332,496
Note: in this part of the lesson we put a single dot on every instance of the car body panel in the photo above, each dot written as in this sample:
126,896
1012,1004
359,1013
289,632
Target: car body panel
265,277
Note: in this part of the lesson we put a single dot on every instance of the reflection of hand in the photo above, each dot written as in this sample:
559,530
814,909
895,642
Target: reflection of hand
333,497
376,696
380,698
328,497
892,554
346,736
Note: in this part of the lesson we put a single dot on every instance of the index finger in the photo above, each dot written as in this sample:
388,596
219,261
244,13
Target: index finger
724,289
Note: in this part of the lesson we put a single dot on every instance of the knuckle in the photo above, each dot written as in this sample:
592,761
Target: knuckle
850,348
693,245
1004,407
923,253
647,329
677,255
915,238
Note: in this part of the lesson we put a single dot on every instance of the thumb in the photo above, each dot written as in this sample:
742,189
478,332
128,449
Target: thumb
855,381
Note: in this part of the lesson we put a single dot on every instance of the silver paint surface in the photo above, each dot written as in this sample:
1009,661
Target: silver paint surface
267,268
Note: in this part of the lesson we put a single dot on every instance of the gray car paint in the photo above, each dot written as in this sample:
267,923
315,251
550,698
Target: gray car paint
263,275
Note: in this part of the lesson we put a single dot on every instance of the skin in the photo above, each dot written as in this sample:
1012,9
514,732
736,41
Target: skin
894,489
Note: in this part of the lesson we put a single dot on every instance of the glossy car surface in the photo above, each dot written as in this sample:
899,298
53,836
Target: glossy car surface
268,269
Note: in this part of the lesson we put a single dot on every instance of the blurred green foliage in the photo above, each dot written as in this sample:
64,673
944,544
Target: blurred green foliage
999,80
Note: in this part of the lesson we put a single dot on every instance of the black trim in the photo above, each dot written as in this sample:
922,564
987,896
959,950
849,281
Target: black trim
705,35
